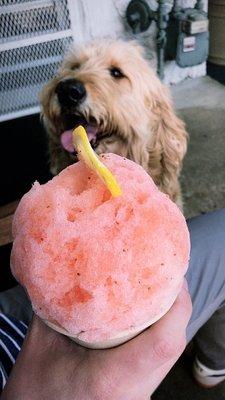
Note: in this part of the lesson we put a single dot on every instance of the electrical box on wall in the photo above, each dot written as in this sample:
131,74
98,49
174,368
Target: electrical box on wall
187,36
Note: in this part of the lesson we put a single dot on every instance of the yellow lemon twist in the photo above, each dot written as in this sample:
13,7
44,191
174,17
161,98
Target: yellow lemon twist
87,154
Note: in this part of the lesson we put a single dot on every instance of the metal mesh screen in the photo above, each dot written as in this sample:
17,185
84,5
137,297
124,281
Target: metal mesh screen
32,18
34,35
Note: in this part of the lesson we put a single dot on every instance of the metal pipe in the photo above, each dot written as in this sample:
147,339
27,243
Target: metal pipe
199,5
162,22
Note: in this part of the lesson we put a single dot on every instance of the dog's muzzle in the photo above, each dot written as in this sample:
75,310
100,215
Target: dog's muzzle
70,92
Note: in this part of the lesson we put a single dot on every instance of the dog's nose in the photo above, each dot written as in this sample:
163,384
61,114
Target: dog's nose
70,92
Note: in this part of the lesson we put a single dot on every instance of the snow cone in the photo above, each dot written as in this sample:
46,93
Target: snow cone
101,259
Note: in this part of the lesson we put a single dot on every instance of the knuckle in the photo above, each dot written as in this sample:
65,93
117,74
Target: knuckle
165,349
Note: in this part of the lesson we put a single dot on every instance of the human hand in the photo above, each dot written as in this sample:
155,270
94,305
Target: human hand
51,366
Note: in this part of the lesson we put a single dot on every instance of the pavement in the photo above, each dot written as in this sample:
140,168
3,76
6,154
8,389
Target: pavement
201,103
179,385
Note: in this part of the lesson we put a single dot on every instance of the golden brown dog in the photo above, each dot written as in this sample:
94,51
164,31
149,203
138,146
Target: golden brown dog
109,87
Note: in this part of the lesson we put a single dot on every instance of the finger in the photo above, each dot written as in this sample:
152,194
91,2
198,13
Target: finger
168,335
163,341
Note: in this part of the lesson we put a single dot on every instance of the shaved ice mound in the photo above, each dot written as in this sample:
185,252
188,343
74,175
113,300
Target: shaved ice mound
97,268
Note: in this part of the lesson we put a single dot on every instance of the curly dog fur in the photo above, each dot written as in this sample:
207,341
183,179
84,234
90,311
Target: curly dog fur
134,113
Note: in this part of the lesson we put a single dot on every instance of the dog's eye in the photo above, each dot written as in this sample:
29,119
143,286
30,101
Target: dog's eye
116,73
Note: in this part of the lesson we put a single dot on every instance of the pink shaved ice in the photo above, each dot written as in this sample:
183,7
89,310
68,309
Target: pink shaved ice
97,265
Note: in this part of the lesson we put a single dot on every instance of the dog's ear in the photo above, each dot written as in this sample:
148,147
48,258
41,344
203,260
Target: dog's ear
168,141
137,151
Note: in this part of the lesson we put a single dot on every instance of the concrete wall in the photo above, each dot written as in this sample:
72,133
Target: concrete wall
106,18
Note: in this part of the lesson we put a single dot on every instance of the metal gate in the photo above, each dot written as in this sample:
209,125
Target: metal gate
33,38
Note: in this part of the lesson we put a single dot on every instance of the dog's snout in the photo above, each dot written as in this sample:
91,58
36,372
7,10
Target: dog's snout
70,92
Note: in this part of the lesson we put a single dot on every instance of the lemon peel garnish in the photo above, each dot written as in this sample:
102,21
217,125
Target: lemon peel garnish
87,154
